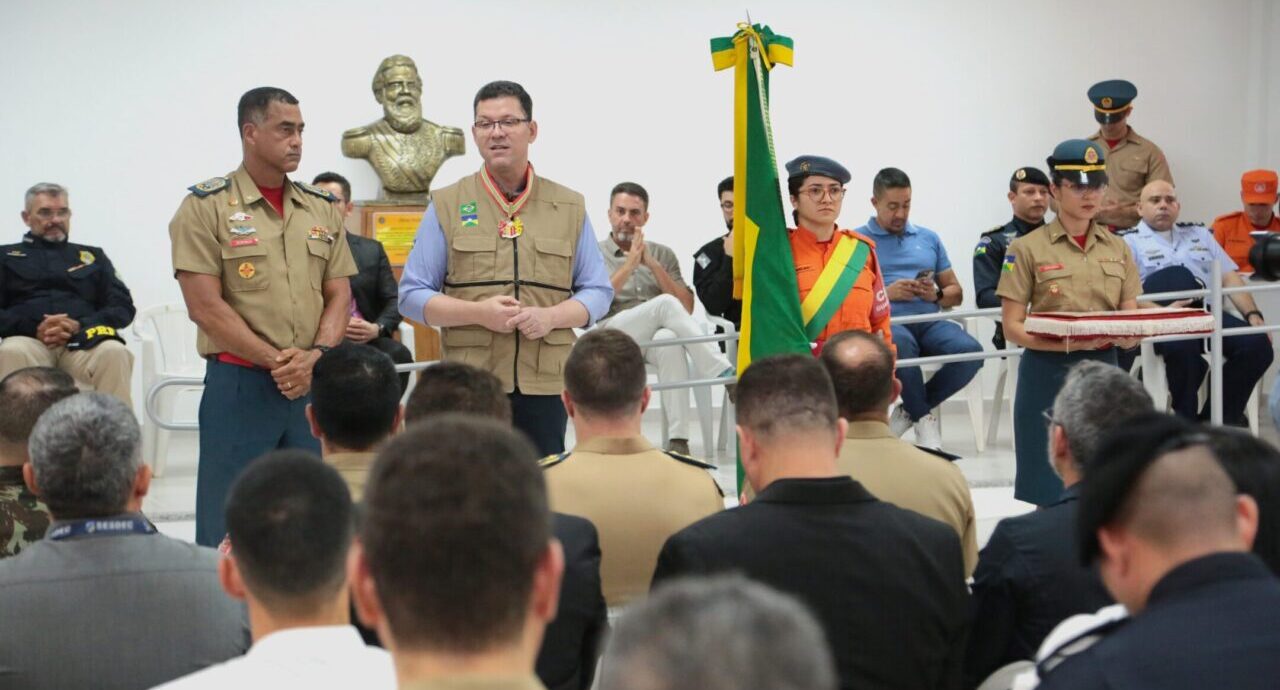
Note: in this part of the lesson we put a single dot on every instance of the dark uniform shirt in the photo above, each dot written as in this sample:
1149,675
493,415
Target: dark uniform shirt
38,277
713,279
1029,579
23,518
987,258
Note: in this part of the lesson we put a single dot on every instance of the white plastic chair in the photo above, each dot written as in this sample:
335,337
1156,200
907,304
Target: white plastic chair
701,404
972,392
168,340
1151,365
728,415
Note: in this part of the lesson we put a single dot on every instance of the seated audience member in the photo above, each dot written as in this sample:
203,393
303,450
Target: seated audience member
887,584
290,520
354,408
1170,535
1029,576
1029,197
919,280
1231,230
713,265
460,388
374,290
456,566
572,643
719,633
104,600
919,479
62,303
636,495
1173,256
24,396
1254,467
652,302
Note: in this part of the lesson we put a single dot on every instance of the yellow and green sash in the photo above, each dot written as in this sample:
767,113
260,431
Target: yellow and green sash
834,283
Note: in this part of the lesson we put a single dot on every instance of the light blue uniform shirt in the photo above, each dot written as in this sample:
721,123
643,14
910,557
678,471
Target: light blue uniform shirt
424,271
903,255
1188,245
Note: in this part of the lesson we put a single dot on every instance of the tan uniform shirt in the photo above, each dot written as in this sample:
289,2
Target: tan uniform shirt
1133,163
272,268
354,469
637,496
1046,269
908,477
476,682
642,286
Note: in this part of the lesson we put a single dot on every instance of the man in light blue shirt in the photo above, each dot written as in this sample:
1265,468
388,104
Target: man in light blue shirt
1174,256
506,264
919,280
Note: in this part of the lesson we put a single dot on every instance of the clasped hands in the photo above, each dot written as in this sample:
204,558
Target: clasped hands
56,330
292,371
504,314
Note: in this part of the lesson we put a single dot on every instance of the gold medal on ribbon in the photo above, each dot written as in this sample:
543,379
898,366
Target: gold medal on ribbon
510,229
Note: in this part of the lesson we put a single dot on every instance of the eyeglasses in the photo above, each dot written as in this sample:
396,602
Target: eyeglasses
506,125
815,193
46,214
726,205
1049,421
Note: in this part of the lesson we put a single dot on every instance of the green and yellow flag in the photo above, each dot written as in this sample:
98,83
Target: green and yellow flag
764,275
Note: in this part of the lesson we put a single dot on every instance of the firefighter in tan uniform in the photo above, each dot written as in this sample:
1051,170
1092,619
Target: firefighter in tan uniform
636,495
1071,264
505,263
1132,161
263,265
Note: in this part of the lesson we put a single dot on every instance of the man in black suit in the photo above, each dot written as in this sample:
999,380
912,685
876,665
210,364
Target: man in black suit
1029,576
1170,535
572,642
374,315
887,584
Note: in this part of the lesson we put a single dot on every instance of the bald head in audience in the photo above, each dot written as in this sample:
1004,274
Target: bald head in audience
1154,507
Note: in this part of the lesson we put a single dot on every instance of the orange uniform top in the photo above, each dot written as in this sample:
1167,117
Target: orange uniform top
1232,232
867,306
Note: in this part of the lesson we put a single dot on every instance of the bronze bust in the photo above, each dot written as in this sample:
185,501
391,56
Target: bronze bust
404,149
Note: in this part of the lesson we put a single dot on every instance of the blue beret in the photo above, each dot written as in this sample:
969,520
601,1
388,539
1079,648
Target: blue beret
818,165
1080,160
1110,99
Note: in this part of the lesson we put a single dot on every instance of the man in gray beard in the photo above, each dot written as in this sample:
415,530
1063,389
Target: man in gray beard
404,149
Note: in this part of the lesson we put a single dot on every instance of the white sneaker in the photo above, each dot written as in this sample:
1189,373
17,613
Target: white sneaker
929,431
899,421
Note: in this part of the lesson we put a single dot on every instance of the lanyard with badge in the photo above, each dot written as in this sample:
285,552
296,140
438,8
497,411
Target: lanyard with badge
101,527
511,227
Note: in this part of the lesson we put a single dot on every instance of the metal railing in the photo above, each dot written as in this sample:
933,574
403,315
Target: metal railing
1215,292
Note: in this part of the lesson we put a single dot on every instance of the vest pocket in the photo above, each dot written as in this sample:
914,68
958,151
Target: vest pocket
474,257
554,262
245,268
469,345
553,351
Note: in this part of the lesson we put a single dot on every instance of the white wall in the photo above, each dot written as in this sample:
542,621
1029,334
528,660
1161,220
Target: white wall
128,103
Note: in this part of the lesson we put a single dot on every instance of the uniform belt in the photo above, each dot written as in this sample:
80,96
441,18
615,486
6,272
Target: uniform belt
228,358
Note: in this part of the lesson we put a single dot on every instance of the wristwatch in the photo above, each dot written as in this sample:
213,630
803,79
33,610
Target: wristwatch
1255,311
938,288
322,348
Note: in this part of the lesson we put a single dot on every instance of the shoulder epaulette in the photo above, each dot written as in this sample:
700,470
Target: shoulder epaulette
996,229
553,460
1080,642
952,457
312,189
209,186
689,461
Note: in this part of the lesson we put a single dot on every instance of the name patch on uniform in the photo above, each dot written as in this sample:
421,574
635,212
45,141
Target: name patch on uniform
1049,267
244,241
15,252
246,270
1009,260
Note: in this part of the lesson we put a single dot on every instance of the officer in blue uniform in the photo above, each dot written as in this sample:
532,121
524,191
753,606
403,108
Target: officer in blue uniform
1029,196
1173,256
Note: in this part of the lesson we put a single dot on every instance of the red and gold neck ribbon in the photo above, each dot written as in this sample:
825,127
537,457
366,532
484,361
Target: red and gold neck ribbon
510,208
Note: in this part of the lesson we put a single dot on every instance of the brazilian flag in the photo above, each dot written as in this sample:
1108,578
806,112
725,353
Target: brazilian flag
764,275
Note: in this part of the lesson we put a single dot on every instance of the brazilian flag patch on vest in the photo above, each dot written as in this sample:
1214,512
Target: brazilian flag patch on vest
468,213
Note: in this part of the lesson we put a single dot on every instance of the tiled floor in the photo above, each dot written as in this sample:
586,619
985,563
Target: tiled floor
171,503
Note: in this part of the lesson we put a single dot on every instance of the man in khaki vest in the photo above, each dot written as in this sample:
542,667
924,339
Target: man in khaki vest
263,264
911,477
636,495
505,263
